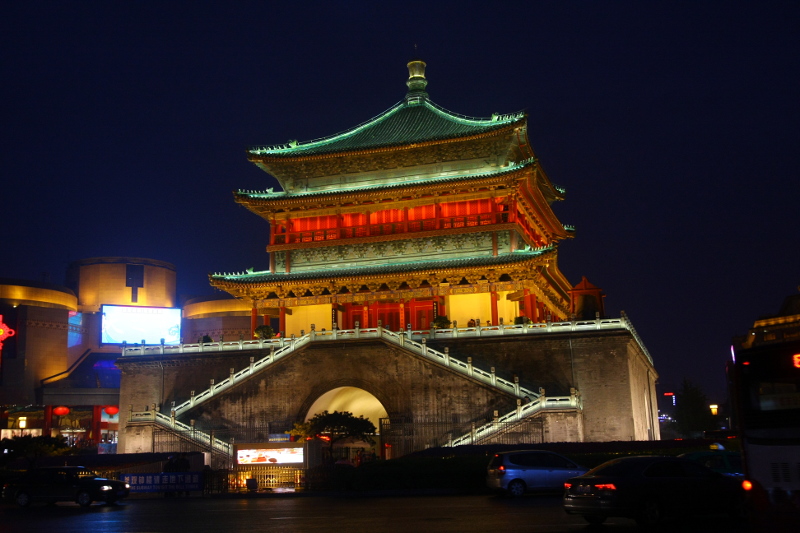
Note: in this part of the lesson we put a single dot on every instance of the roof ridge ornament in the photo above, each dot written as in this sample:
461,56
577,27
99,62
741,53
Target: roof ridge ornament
416,82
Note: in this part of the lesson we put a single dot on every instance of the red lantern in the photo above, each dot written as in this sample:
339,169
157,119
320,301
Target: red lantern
61,410
111,410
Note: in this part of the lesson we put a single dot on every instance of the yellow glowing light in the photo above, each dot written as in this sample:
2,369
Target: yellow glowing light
714,409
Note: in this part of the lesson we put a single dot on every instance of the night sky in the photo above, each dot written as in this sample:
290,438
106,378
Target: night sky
675,129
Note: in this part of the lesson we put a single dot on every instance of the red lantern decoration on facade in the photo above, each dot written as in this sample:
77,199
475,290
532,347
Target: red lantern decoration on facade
61,410
111,410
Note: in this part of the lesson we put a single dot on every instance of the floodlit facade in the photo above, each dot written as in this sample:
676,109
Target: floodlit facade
413,278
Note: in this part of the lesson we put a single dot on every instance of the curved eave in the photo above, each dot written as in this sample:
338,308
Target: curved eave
264,160
255,280
408,119
281,199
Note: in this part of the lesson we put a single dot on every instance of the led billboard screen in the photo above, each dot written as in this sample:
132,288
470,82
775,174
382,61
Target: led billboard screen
122,323
269,456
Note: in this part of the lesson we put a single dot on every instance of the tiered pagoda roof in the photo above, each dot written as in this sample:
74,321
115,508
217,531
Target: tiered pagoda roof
405,157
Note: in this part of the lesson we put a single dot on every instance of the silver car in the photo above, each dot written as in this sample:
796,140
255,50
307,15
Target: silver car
530,470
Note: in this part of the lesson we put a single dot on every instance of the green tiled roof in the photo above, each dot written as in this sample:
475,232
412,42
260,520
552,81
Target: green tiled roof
268,277
277,195
413,120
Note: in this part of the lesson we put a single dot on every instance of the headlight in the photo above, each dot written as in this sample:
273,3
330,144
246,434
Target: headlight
105,487
127,485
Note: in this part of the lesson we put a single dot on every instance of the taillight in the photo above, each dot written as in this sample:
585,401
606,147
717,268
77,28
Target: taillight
567,485
501,468
605,486
747,484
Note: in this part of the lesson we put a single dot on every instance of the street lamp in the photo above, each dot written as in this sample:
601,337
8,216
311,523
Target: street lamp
714,409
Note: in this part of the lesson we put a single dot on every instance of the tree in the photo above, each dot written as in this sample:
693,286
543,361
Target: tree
264,332
442,322
692,414
335,427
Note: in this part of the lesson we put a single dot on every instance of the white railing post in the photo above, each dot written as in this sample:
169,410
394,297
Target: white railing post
519,408
494,378
432,331
252,363
424,347
478,326
162,346
241,341
455,328
502,327
358,329
335,331
211,387
447,356
233,371
469,366
313,331
516,385
191,398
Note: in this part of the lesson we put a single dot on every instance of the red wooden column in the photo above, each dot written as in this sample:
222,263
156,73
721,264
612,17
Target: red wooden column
366,315
403,321
495,319
282,319
253,321
532,304
531,307
373,320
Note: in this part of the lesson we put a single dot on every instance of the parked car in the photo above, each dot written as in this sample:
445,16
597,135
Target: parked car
722,461
647,488
519,471
64,484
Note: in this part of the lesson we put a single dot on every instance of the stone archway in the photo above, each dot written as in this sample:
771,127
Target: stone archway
352,399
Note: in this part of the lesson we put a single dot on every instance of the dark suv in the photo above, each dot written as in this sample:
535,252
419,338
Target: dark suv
64,484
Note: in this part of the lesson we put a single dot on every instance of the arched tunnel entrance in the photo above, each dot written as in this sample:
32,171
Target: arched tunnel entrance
356,401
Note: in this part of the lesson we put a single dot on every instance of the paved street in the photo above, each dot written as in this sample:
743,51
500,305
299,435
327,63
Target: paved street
296,513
